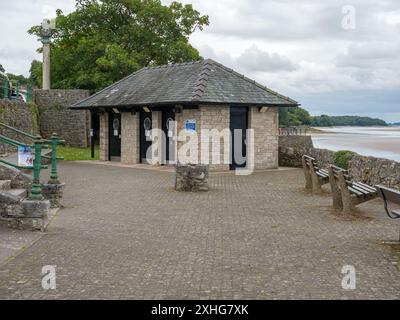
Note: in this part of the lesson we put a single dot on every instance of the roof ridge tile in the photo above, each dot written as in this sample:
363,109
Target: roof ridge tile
202,79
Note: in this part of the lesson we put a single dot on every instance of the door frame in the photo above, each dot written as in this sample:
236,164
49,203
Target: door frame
166,114
111,137
245,112
142,143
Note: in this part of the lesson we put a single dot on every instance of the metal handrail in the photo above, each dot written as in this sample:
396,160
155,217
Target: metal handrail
38,144
13,142
16,130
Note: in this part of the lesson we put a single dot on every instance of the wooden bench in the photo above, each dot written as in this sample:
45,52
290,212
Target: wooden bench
314,175
346,193
392,196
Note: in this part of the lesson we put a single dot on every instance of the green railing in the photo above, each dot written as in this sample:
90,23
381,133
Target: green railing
13,90
37,146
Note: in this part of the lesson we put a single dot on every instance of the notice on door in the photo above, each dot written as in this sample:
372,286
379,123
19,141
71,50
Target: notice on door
190,125
25,157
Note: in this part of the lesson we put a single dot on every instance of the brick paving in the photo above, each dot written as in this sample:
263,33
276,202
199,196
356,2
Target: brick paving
125,233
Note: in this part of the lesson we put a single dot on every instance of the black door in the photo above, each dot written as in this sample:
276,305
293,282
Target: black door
238,127
114,130
145,136
168,127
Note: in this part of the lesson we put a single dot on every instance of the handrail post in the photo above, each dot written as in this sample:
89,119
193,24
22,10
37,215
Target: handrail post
5,89
54,143
17,90
36,190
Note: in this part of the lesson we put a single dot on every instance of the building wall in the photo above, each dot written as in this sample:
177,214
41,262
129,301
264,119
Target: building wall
213,117
55,116
265,126
104,136
20,116
266,137
193,144
130,139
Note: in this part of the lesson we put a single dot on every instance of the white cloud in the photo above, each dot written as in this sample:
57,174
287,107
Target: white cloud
296,47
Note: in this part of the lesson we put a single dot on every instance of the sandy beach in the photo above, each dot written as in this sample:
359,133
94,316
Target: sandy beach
381,142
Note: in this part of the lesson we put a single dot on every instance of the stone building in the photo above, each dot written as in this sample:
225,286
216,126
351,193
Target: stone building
213,106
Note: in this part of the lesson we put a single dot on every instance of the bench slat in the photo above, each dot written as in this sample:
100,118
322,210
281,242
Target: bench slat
322,175
356,192
365,192
360,186
368,186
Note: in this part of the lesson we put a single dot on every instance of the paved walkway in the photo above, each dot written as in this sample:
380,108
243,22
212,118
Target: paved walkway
125,233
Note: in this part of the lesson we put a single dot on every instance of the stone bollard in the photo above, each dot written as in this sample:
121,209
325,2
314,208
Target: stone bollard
53,193
191,177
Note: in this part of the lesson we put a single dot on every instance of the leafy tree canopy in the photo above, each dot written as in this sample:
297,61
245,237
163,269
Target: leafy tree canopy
292,117
103,41
2,69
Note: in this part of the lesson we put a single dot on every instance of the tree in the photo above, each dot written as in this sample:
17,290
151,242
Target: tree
20,78
103,41
35,73
290,117
2,69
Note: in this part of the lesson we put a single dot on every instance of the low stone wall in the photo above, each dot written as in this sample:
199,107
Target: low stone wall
71,125
19,115
369,170
375,171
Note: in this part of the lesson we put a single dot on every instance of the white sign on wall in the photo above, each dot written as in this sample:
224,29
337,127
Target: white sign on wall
25,157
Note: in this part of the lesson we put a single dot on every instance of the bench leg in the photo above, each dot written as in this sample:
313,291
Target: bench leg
307,175
347,199
316,183
336,196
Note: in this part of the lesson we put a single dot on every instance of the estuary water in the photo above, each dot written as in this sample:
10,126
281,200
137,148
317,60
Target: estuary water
380,142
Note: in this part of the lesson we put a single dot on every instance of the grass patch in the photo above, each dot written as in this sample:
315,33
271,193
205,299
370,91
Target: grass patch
343,157
75,154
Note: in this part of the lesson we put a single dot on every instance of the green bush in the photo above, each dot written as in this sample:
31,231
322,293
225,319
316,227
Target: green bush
343,157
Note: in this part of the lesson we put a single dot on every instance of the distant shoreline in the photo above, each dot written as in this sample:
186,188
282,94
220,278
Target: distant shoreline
375,141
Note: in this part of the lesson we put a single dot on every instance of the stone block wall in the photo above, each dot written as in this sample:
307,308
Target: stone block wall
130,138
103,118
369,170
183,146
20,116
266,138
71,125
216,118
375,171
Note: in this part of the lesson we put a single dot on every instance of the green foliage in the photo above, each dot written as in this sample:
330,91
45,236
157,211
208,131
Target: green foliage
327,121
291,117
105,40
343,157
322,121
1,68
36,73
14,78
35,117
75,154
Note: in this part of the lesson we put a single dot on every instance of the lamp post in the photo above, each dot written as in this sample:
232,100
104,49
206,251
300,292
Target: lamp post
47,31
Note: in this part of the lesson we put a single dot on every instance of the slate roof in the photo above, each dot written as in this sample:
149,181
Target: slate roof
200,82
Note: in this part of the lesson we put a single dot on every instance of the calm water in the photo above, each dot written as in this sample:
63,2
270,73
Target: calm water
381,142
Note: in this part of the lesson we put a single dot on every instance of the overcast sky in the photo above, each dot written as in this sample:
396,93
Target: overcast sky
311,50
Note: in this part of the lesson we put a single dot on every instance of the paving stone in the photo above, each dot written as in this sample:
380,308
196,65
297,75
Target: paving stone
126,233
